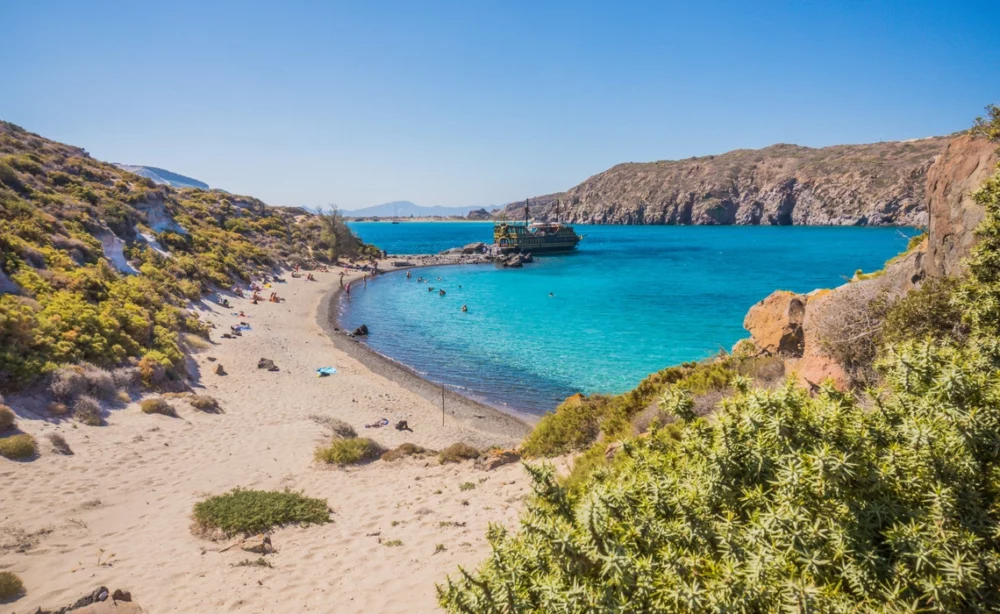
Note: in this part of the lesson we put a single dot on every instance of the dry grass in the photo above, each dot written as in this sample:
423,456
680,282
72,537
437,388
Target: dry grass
157,405
195,343
338,426
87,410
205,403
18,447
125,377
457,452
100,383
59,444
57,409
68,383
404,450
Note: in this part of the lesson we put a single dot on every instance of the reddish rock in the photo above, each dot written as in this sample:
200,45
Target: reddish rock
775,323
956,173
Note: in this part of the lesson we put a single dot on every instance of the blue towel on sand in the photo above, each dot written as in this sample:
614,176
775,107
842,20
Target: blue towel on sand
324,371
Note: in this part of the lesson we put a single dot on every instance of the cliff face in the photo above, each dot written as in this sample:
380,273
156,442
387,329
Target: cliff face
953,216
957,173
875,184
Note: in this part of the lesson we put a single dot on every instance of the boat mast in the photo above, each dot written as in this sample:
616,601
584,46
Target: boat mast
526,201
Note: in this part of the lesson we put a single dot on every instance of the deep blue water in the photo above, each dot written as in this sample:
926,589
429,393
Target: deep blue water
631,301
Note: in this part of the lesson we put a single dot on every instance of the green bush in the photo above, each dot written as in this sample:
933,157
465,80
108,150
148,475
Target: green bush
7,418
11,586
457,452
349,451
18,447
928,311
157,405
572,426
780,500
256,511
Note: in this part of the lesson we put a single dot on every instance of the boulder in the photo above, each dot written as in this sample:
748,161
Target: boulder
259,544
775,323
360,331
474,248
120,595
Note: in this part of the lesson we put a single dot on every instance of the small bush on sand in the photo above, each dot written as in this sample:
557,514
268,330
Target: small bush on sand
404,450
349,451
7,418
10,586
59,444
393,543
457,452
18,447
68,383
87,410
256,511
464,486
151,372
338,426
204,403
195,342
157,406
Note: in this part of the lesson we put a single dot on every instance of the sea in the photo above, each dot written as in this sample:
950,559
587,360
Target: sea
630,301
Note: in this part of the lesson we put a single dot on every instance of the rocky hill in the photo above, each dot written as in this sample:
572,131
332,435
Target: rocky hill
162,176
874,184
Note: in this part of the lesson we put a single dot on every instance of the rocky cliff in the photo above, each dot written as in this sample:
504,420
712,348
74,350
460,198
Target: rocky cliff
874,184
789,325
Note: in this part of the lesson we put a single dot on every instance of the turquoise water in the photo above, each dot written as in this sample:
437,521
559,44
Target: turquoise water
631,301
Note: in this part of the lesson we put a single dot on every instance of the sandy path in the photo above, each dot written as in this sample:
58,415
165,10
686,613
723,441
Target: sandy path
130,487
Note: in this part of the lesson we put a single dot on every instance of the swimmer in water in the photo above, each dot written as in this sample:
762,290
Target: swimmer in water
441,291
407,274
551,294
465,308
430,288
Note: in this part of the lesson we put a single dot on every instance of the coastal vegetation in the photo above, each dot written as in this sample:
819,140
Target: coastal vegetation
247,512
157,405
10,586
404,450
881,498
349,451
457,452
97,265
18,447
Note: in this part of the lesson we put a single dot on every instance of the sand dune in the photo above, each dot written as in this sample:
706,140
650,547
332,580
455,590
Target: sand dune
117,512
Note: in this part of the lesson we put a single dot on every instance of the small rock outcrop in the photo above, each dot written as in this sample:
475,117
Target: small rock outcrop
775,323
474,248
497,458
360,331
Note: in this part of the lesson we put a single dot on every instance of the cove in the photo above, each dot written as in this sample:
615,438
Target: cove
632,300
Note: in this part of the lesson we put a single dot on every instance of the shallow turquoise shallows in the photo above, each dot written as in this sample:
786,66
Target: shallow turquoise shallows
632,300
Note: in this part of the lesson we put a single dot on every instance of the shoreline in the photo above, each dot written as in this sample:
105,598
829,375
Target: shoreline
475,413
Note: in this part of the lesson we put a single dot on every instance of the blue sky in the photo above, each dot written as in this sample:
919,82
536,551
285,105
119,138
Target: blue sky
475,103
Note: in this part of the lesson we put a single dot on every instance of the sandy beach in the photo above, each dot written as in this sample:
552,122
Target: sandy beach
117,512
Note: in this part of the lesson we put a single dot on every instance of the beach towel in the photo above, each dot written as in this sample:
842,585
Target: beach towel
324,371
377,425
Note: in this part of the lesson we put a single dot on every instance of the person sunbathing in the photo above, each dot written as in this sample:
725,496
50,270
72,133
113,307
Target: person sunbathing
310,277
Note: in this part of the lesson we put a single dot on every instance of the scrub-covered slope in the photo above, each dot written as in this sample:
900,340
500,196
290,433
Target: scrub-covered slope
97,264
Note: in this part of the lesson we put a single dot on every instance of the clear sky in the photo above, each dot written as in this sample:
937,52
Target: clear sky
480,102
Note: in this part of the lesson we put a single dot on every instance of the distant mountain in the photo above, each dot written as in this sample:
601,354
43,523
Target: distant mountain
404,208
163,176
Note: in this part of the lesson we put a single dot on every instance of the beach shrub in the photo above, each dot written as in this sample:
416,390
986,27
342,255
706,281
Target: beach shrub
157,405
87,409
457,452
67,383
18,447
928,311
125,377
100,382
246,512
204,403
404,450
59,444
11,586
349,451
464,486
7,418
780,499
572,426
57,409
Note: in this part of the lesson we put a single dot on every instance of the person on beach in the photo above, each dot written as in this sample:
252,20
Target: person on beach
366,279
348,288
342,280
